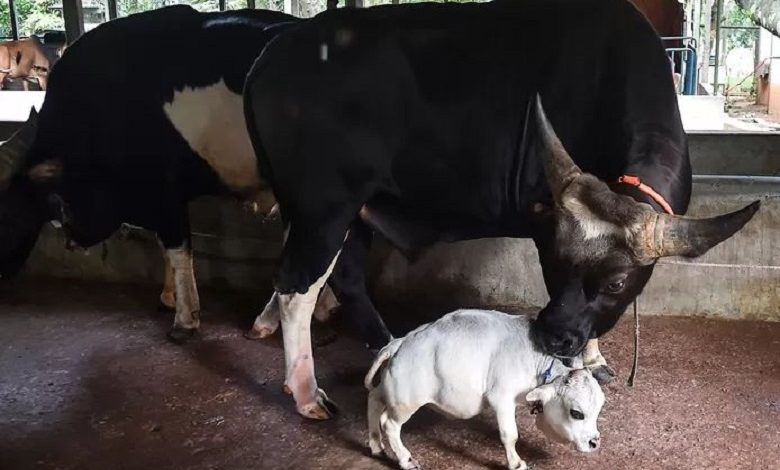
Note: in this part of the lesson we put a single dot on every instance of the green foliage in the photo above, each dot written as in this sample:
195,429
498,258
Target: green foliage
33,16
734,15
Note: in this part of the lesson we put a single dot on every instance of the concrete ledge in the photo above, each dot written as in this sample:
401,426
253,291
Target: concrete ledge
739,279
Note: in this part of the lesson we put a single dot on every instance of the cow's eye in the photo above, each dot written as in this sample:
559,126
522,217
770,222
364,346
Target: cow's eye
616,286
575,414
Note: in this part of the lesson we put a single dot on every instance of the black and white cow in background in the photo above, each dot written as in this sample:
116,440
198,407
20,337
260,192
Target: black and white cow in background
421,121
142,115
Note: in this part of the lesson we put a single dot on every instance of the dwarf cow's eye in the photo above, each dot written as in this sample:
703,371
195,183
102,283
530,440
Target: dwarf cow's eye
616,286
576,414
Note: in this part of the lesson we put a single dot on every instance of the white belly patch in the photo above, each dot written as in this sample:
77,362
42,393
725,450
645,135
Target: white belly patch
211,120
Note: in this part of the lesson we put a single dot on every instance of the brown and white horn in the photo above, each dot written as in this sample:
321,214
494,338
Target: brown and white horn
14,150
672,235
559,169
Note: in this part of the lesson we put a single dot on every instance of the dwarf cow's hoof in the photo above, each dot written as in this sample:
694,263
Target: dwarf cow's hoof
603,374
320,408
412,464
178,335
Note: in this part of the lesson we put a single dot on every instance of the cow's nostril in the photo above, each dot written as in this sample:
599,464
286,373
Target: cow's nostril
594,443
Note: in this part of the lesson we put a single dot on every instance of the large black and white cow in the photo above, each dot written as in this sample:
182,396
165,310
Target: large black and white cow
142,115
421,121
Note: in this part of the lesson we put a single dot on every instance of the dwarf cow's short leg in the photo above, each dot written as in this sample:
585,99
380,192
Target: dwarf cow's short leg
392,428
349,285
376,406
507,428
595,362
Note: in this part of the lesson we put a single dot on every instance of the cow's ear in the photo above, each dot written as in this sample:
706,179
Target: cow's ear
541,394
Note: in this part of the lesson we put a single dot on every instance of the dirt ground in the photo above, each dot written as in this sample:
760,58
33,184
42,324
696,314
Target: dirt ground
88,381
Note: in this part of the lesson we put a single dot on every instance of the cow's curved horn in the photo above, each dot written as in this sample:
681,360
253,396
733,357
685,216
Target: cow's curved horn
559,169
684,236
14,150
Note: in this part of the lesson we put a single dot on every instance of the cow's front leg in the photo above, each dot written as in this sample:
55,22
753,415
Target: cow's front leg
296,312
187,319
595,362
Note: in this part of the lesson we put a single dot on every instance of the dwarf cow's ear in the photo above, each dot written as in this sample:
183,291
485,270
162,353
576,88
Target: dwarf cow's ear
541,394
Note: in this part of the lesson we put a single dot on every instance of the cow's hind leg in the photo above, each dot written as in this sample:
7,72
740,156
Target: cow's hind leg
595,362
168,294
187,319
349,285
269,319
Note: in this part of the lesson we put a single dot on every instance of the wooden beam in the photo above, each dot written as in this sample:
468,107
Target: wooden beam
73,14
14,22
111,9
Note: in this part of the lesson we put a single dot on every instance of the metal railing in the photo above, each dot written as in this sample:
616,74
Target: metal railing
682,54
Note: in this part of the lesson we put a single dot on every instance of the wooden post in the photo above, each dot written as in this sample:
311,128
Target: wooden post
355,3
250,4
332,4
73,14
222,5
14,23
111,9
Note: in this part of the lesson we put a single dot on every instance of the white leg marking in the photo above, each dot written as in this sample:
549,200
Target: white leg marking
187,301
268,321
168,294
591,356
326,302
296,312
211,120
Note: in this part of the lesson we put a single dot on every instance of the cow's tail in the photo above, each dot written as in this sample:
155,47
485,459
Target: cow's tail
384,355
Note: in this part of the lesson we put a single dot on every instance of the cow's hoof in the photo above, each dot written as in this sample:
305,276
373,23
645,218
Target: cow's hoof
320,409
603,374
178,335
259,332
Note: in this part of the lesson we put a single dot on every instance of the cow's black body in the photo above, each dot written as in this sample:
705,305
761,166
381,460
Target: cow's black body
419,114
103,118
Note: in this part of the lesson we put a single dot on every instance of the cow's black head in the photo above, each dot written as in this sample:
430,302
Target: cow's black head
22,212
598,248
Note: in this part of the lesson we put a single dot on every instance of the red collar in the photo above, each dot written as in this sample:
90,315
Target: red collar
638,184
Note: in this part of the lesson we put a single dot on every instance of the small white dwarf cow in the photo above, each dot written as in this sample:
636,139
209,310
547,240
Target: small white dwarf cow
470,358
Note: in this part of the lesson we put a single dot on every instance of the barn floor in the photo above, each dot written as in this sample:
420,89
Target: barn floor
88,381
